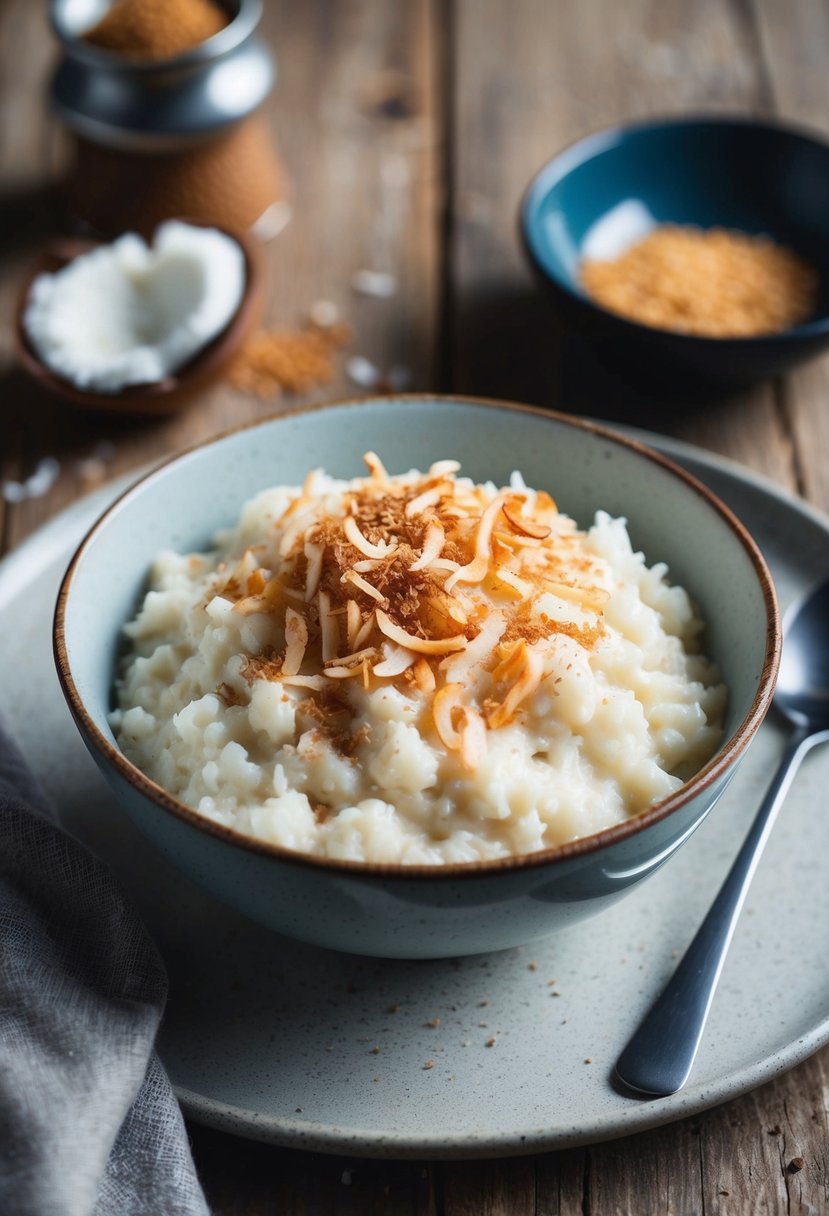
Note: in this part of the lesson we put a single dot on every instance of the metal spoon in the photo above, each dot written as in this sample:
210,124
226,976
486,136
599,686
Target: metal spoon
659,1056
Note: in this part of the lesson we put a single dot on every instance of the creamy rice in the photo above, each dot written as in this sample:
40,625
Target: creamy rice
416,669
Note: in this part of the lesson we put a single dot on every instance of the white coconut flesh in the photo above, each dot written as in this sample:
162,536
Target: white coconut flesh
129,313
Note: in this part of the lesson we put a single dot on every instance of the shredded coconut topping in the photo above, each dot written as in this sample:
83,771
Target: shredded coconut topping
426,581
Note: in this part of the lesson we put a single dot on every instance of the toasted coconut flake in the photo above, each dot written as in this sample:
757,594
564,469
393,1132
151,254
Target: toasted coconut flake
458,666
256,582
329,628
296,639
371,563
351,576
444,468
429,498
432,545
446,703
355,537
515,541
355,659
424,676
475,571
473,744
344,673
316,683
420,645
376,467
250,605
314,555
525,525
512,662
396,660
591,599
365,631
354,619
523,589
526,684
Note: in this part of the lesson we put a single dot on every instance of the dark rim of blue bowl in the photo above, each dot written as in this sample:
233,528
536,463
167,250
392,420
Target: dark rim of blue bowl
726,756
588,146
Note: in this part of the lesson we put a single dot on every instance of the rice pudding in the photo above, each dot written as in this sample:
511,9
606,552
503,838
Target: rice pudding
416,669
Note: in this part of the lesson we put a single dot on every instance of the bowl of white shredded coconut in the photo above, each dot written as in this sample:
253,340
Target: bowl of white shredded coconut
137,326
420,676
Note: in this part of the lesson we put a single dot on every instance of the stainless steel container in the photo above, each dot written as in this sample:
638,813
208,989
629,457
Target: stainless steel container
157,137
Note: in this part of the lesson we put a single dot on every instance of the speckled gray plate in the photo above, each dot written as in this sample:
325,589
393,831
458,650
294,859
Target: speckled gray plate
485,1056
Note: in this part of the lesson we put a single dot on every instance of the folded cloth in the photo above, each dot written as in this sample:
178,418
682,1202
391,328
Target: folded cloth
89,1125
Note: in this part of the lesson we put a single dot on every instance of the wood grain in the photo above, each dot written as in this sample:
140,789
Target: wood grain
582,67
357,132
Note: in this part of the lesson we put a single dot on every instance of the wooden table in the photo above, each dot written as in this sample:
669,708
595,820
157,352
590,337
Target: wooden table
410,129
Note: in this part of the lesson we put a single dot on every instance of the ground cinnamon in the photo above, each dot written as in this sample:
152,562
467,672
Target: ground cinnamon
156,29
288,360
713,283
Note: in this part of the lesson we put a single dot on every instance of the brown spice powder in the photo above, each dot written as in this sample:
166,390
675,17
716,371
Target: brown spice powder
713,283
291,361
156,29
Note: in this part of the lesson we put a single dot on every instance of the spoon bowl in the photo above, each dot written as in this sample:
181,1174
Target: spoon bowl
802,693
658,1059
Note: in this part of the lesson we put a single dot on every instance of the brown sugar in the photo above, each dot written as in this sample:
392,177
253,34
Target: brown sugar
712,283
156,29
288,360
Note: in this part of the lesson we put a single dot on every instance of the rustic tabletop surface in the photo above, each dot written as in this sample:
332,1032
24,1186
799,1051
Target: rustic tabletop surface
409,130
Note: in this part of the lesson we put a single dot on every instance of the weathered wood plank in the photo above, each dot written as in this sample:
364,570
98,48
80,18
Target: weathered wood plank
794,41
247,1179
356,111
582,67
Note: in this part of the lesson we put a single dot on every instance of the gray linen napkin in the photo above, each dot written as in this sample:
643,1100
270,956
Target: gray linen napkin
89,1125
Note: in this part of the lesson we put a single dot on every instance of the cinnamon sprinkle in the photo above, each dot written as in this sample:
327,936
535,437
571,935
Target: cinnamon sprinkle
400,582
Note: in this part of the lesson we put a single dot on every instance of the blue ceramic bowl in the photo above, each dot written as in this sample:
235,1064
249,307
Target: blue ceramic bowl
420,911
711,172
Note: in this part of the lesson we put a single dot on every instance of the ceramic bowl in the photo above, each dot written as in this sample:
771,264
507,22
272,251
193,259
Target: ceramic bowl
420,911
711,172
175,391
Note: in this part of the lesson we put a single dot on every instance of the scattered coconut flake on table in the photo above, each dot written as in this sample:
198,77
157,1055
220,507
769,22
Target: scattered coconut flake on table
323,314
374,283
362,372
37,485
128,313
272,221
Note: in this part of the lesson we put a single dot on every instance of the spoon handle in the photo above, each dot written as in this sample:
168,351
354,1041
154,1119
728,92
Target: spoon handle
659,1056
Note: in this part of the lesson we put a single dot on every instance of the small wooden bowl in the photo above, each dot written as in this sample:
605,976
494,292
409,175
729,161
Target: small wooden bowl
172,393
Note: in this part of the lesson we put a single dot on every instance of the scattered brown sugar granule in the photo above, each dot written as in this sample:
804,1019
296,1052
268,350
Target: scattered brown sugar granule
588,1059
156,29
394,1008
375,1051
490,1043
291,361
795,1165
429,1064
433,1023
709,282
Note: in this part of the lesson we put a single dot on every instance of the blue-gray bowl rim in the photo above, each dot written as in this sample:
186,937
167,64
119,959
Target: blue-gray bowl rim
707,777
582,149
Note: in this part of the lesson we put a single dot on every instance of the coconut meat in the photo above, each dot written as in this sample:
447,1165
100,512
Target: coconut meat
129,313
